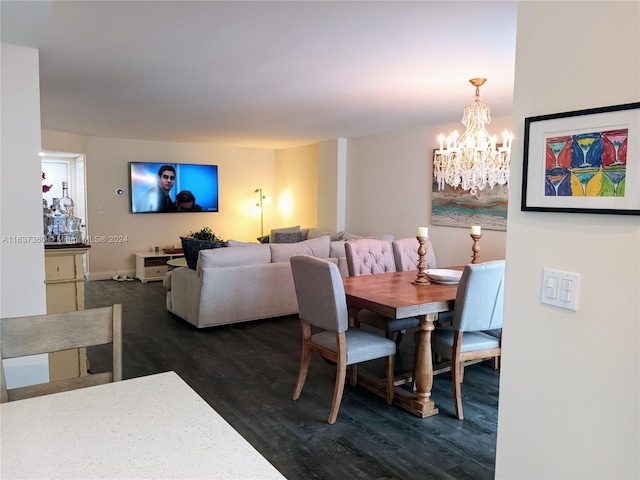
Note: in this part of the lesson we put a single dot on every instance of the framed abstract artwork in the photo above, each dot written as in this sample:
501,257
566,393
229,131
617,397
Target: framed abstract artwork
586,161
455,207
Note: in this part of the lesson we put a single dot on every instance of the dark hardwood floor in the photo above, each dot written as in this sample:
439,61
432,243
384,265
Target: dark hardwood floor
247,372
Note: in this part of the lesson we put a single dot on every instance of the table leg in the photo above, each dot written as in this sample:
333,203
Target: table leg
418,403
423,374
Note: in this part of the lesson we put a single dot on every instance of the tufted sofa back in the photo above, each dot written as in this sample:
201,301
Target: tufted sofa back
367,256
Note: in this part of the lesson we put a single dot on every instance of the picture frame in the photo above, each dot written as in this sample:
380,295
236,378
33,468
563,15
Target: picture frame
585,161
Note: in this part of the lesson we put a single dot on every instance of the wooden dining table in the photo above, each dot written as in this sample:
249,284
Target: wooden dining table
394,295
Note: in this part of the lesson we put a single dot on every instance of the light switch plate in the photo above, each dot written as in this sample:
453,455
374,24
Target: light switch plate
560,289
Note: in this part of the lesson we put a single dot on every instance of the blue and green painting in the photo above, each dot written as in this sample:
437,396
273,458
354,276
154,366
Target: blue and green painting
458,208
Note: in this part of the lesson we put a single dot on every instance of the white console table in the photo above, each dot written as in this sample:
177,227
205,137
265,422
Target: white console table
152,266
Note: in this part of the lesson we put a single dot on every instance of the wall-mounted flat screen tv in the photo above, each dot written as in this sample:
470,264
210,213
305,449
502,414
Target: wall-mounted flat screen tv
173,187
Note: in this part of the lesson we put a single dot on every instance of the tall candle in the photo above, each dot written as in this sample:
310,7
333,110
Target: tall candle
423,232
476,230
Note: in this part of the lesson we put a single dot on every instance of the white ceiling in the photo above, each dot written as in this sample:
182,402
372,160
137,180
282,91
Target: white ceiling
263,74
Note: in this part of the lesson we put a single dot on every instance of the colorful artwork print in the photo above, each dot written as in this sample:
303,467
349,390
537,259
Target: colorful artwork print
587,164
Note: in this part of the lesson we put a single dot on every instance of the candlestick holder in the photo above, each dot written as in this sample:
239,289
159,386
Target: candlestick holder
475,258
421,278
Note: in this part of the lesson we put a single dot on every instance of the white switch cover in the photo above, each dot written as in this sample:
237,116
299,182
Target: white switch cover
560,289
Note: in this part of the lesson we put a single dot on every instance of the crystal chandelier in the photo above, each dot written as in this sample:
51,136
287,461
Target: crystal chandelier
473,160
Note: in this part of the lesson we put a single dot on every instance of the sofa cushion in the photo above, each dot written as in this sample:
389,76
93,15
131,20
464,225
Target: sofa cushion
317,247
272,235
316,232
336,249
286,237
238,243
351,236
227,257
191,247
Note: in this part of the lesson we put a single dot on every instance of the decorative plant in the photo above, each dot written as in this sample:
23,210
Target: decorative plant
45,188
205,234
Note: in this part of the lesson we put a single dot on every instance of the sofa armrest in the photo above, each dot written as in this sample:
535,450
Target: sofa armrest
185,289
166,281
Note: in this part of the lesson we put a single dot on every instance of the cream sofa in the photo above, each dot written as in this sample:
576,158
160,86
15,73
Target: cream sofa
244,281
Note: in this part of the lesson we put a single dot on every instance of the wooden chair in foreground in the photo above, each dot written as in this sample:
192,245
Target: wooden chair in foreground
478,308
22,336
322,303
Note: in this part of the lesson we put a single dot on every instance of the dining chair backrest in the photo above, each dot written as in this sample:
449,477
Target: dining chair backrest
405,254
23,336
368,256
320,293
480,297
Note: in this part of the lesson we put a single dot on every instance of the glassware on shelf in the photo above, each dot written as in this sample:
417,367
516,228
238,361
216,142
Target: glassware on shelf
60,226
616,170
66,204
557,173
588,148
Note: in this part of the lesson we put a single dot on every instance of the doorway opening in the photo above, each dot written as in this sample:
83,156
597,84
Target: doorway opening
66,167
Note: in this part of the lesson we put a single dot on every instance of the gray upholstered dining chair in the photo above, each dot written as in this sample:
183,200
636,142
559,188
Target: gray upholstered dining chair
322,303
405,254
23,336
478,308
369,256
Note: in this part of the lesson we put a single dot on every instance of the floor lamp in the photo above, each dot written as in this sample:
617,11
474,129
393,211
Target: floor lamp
261,201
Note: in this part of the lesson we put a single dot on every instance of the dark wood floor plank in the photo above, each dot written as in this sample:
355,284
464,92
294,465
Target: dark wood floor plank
247,373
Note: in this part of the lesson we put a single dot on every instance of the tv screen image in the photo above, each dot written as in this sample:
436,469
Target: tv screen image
173,187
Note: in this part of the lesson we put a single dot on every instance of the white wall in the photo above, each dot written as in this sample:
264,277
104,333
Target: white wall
570,381
332,177
296,175
389,191
22,288
241,171
22,282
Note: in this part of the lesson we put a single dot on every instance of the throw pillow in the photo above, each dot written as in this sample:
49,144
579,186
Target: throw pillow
351,236
272,236
263,239
191,247
281,237
315,233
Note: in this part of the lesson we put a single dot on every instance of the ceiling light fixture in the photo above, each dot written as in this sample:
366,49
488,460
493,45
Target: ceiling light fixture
473,160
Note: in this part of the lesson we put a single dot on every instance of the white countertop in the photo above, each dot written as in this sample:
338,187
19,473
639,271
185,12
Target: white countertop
151,427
